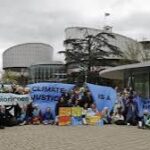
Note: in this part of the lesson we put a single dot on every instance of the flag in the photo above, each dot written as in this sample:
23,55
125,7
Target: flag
107,14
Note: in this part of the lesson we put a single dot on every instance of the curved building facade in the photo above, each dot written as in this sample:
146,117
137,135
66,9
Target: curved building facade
19,58
25,55
120,41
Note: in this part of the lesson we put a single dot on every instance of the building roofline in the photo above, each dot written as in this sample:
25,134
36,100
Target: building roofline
120,69
100,30
144,41
10,48
49,63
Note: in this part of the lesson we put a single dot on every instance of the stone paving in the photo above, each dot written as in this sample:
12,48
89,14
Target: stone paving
74,138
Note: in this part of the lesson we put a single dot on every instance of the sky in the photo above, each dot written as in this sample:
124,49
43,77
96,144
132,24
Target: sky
44,21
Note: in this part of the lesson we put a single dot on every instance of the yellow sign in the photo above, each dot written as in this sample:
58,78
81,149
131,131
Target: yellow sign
92,120
65,111
76,111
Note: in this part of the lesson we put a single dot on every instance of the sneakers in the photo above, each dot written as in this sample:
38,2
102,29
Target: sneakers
23,123
128,124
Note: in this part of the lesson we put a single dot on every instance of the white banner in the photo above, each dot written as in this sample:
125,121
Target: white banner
13,99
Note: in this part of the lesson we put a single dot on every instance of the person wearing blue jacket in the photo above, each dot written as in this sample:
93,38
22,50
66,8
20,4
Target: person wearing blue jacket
48,117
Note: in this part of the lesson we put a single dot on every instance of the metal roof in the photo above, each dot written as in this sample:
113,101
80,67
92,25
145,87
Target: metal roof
118,72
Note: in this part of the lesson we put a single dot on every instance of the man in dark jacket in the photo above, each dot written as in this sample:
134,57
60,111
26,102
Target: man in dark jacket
132,111
2,117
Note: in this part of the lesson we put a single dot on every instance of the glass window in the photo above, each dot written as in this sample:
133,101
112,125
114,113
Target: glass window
141,84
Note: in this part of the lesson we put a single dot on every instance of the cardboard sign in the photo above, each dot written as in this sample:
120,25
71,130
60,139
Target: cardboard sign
76,111
65,111
93,120
64,120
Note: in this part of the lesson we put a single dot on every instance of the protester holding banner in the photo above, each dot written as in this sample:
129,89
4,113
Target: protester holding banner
71,106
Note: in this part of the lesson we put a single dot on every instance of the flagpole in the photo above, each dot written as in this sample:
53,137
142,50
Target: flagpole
106,15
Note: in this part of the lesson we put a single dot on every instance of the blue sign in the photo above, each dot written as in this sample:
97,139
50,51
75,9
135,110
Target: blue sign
146,105
47,94
143,104
139,103
103,96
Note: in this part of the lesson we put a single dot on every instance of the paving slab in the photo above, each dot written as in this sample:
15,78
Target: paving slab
40,137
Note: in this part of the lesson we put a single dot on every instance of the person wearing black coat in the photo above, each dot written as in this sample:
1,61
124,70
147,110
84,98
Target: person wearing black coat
61,103
10,118
29,113
2,117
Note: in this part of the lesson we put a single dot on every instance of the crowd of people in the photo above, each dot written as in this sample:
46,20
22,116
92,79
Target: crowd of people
125,111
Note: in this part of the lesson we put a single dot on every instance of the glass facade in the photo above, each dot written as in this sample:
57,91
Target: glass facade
141,84
139,79
47,73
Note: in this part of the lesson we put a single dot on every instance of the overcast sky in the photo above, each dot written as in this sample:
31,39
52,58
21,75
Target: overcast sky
44,21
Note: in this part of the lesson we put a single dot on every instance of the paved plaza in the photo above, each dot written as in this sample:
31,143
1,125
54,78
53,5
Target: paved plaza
74,138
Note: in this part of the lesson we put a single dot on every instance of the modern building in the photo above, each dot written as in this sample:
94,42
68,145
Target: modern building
52,72
23,58
146,48
121,41
133,75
